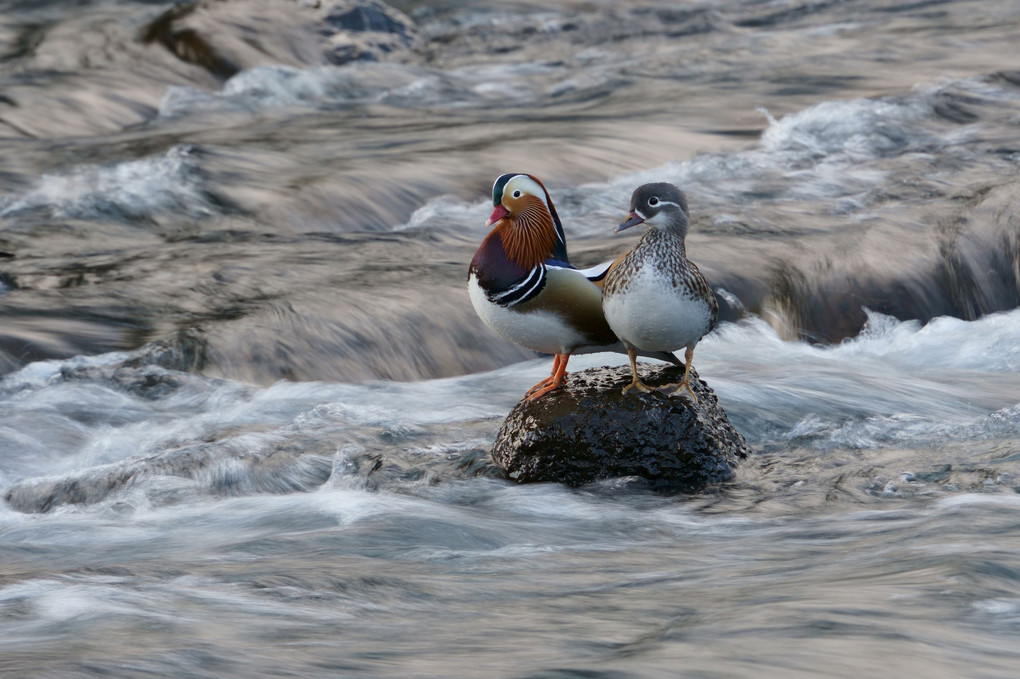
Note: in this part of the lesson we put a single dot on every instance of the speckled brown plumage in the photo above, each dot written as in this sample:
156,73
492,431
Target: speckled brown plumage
666,251
654,298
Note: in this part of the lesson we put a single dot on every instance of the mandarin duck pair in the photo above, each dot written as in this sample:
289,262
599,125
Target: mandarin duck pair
650,302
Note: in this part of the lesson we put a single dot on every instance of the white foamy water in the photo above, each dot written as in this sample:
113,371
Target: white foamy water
898,382
267,87
360,84
132,190
207,522
828,152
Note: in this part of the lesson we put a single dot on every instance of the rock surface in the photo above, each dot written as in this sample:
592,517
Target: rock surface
588,431
364,30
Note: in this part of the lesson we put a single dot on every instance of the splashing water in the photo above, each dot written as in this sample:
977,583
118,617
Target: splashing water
246,408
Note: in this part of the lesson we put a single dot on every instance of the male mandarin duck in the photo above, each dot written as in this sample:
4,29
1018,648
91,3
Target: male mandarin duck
523,286
654,298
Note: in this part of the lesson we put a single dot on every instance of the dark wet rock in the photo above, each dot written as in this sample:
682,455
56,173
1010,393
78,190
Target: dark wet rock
369,16
1011,77
226,38
589,430
149,382
158,370
185,351
494,30
187,43
364,30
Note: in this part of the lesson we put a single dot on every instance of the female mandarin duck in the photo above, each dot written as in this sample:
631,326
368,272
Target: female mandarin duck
523,286
654,298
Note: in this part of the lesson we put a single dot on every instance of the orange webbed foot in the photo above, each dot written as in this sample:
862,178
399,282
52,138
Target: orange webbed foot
538,387
554,381
545,390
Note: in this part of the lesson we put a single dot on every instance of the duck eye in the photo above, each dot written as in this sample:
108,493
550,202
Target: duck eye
653,201
517,194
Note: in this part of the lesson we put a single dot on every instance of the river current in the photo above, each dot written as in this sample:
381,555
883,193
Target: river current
246,408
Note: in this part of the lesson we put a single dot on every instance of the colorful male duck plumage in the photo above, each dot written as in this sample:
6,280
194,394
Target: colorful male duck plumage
654,298
523,286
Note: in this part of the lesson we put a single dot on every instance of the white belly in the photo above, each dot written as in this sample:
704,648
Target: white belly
652,315
541,331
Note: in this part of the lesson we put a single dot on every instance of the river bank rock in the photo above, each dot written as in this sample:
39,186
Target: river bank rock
588,431
364,30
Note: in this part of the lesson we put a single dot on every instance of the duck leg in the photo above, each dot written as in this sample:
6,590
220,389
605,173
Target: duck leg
559,374
685,383
547,381
635,384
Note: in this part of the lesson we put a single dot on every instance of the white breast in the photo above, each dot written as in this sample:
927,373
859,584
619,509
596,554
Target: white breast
541,331
653,315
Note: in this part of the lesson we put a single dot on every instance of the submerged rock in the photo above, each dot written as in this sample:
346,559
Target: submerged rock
364,30
369,15
589,430
230,467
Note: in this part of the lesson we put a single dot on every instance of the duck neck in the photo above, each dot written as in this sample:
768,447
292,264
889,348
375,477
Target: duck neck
668,238
530,238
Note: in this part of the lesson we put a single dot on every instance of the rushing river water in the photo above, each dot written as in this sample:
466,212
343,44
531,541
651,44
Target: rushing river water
246,408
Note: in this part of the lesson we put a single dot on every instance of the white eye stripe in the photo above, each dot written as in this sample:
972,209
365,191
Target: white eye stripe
523,184
668,202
